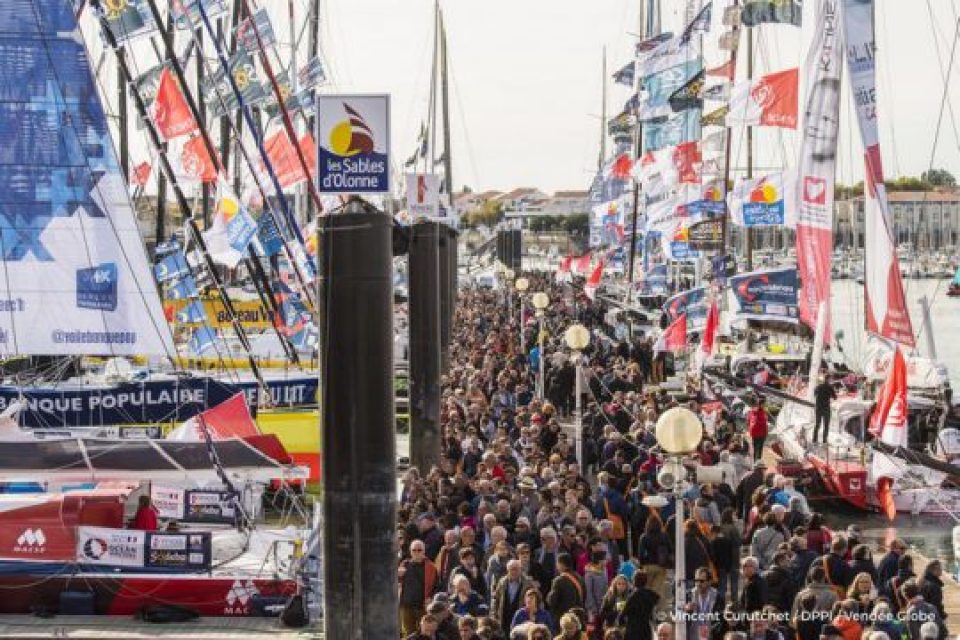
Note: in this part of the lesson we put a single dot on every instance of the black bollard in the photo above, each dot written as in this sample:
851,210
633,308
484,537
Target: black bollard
443,282
357,426
451,283
423,271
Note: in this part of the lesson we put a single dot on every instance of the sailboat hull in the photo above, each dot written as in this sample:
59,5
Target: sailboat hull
125,595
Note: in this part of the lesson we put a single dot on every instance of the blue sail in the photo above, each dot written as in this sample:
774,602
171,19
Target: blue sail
75,277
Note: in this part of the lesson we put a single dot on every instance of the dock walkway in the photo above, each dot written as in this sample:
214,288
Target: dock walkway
126,628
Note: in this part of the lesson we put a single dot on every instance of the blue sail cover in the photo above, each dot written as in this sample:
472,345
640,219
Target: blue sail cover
74,277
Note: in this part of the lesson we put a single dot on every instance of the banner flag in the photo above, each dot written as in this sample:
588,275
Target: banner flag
171,113
593,282
818,155
268,239
423,195
626,75
186,13
765,201
77,280
128,19
706,235
184,288
690,95
232,228
660,86
655,280
670,53
674,337
581,264
218,91
692,304
671,130
193,313
172,267
715,118
889,420
286,163
886,309
726,70
754,12
770,101
201,340
767,295
193,163
711,329
311,74
141,174
247,37
608,221
666,168
648,45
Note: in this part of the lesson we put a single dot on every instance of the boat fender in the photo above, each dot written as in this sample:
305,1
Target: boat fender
295,615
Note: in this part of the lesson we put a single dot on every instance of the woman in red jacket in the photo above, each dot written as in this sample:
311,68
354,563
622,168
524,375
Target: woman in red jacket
758,427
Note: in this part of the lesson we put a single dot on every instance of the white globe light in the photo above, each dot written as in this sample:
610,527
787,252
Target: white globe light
522,284
541,300
679,431
577,337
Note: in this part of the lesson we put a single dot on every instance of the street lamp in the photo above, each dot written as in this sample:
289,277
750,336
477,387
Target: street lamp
540,302
679,432
577,338
521,285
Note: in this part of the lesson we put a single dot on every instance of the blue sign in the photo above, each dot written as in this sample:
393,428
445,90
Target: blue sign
353,144
97,287
767,295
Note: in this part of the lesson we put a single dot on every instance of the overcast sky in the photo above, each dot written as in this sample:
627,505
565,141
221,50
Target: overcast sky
526,81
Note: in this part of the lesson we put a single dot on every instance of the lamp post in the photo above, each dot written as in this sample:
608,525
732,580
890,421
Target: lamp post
577,338
521,285
679,432
540,303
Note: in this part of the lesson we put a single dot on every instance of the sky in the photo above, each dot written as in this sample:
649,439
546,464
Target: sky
526,82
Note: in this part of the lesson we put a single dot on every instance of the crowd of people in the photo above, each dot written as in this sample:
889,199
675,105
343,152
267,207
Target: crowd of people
512,536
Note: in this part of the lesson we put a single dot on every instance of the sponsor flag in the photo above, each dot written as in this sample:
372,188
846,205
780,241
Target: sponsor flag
711,329
688,302
690,95
886,305
767,295
218,90
186,13
670,53
729,40
889,420
127,19
716,92
731,16
622,167
202,339
726,70
626,75
252,26
770,100
582,264
147,84
423,195
593,282
196,165
172,267
193,313
232,228
715,118
608,221
621,126
655,280
645,46
706,235
674,337
671,130
185,287
285,161
140,174
268,239
754,12
714,144
167,246
700,22
765,201
665,168
171,113
659,87
312,74
565,264
817,171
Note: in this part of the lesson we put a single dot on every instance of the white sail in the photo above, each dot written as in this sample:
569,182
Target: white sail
74,277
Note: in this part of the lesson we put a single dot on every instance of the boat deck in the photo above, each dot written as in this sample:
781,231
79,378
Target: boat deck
113,627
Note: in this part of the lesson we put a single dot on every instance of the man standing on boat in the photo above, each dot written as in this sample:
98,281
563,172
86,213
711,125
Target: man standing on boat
146,517
823,393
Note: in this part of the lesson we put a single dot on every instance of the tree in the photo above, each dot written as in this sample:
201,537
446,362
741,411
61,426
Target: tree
577,225
939,178
488,214
908,183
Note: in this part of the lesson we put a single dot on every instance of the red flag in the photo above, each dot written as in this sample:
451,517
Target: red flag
770,100
565,264
622,167
885,496
582,264
710,331
196,162
170,110
283,157
725,70
590,288
140,175
674,337
889,419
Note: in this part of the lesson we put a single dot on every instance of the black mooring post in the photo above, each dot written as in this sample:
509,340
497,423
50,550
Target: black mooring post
425,349
443,285
357,426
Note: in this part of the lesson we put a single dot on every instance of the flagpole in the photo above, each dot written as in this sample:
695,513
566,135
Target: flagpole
748,230
184,205
445,104
637,149
725,228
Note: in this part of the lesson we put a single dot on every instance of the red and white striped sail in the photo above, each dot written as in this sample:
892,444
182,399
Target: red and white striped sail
886,305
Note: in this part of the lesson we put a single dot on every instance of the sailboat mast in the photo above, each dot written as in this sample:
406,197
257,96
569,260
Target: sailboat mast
445,104
748,231
645,32
430,162
123,126
202,121
728,140
603,111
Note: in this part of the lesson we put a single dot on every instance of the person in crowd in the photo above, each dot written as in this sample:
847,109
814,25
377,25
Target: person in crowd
509,592
758,424
567,590
418,582
426,629
614,600
637,614
532,611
